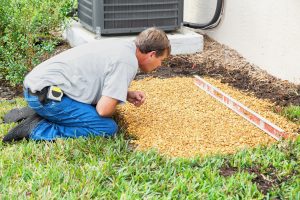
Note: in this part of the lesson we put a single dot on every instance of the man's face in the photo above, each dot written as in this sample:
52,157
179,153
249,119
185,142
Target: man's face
151,62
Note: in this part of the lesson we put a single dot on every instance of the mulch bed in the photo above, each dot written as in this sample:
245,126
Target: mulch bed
180,120
219,61
226,67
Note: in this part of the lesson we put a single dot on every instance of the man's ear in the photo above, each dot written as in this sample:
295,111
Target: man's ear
152,53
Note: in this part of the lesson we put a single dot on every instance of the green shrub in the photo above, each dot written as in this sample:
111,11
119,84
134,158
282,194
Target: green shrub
26,28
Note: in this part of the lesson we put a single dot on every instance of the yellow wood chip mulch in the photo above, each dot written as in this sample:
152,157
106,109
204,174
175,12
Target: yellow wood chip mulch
180,120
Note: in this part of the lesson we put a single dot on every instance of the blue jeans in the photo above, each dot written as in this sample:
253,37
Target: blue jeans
68,119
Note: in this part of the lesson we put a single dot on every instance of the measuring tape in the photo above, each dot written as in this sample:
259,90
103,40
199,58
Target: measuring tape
242,110
55,93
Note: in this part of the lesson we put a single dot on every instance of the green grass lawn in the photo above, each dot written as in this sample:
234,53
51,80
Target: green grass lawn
109,169
292,113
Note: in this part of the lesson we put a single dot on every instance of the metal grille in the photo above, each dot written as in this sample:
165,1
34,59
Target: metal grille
125,16
85,11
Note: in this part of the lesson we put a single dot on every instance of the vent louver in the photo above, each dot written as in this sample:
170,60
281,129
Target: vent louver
127,16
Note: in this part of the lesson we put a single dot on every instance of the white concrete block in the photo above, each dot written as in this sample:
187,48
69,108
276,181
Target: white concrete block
183,41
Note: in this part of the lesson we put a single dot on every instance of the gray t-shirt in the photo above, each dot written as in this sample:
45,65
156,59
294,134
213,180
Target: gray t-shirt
87,72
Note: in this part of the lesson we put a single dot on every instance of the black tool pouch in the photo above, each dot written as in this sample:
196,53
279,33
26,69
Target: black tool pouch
42,95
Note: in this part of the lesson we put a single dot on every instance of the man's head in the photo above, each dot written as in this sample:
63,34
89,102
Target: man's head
153,46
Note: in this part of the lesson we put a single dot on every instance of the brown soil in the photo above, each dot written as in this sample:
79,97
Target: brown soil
265,181
228,171
8,92
221,62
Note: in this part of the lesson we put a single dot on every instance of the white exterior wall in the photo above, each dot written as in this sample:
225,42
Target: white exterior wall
266,33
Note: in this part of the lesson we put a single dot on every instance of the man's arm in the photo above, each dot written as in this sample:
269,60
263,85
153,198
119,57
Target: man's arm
106,106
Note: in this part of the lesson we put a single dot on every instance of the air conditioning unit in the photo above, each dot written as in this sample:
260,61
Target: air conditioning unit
129,16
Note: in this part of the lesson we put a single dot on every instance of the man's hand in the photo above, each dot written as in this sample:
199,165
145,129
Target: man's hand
137,98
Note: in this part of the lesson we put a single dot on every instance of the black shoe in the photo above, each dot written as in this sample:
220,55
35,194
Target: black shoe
23,129
18,114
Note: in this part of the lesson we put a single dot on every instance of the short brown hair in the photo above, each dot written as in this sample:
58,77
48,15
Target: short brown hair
153,39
